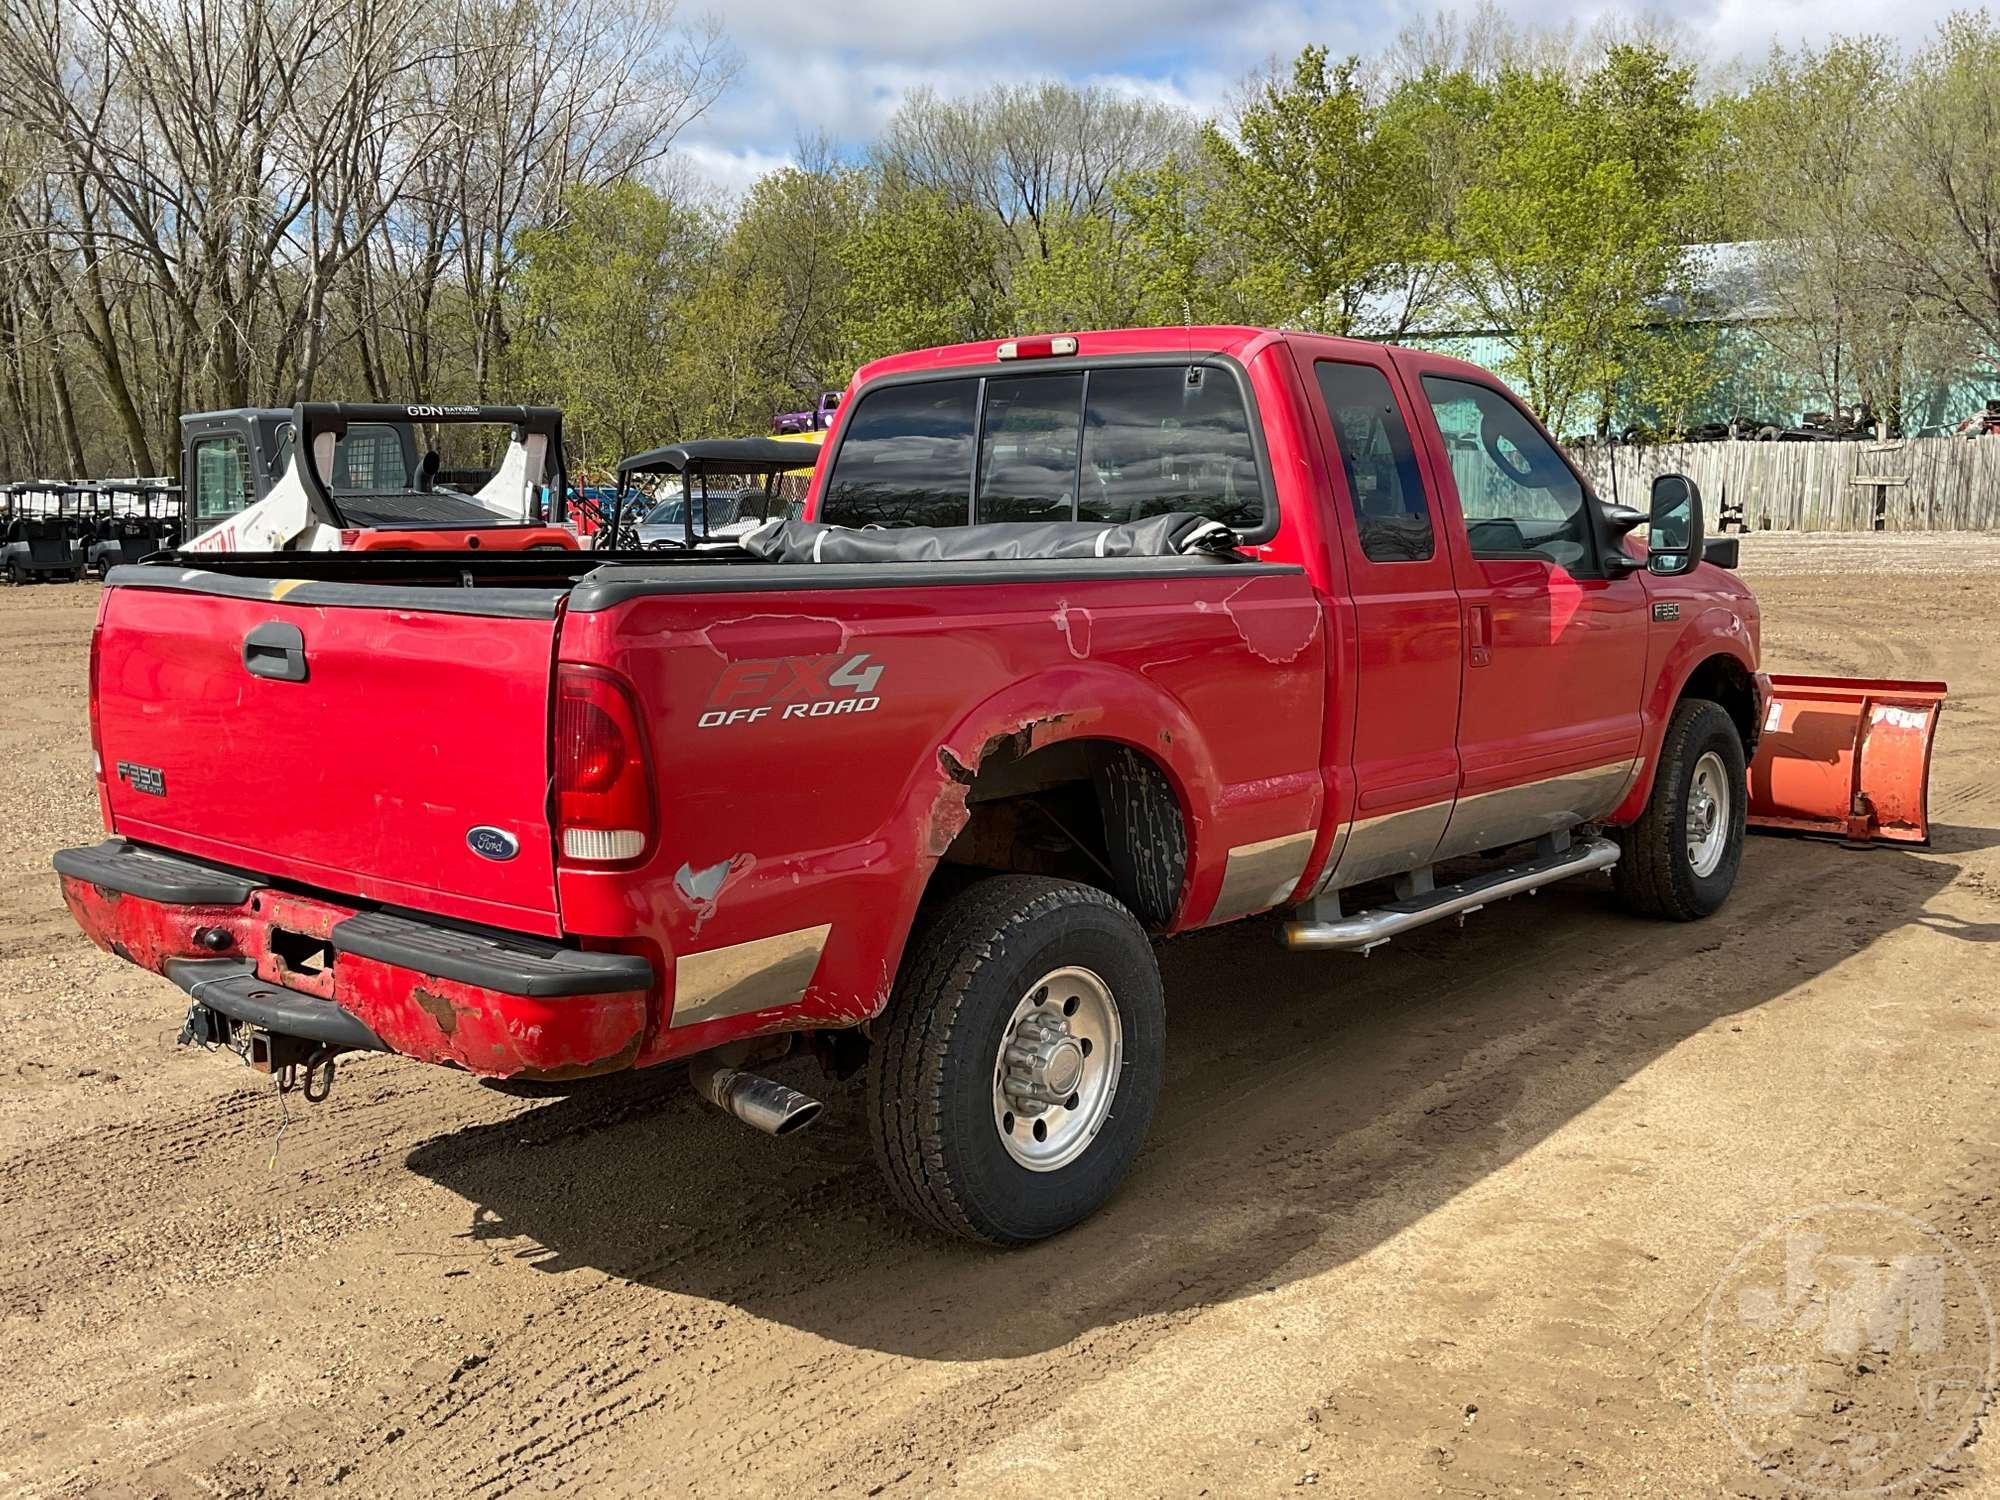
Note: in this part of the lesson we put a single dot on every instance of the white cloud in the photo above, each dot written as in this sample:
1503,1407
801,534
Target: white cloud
731,170
841,69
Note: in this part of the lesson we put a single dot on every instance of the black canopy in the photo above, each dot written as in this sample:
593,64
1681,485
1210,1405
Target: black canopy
722,455
135,487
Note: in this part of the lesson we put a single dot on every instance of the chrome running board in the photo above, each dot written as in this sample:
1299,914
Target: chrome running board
1324,927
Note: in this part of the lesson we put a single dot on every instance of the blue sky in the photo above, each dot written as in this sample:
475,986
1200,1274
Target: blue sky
840,66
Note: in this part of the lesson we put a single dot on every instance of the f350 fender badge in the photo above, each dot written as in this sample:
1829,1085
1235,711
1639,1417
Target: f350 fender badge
148,779
1666,610
489,842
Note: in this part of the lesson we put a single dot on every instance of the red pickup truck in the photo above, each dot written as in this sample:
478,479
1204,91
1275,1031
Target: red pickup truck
1089,640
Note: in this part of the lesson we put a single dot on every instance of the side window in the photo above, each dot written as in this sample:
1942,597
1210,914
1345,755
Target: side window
1517,494
1162,438
220,484
1027,449
1390,511
906,459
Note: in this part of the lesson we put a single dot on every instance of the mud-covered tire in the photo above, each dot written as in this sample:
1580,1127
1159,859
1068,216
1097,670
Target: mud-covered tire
932,1066
1656,875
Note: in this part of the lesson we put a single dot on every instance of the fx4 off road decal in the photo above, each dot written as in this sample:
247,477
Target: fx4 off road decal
793,687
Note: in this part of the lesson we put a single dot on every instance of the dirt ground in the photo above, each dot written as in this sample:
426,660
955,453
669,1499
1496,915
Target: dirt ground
1444,1220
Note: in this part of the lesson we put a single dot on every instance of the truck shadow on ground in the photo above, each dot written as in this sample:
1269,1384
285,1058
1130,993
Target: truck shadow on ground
1314,1106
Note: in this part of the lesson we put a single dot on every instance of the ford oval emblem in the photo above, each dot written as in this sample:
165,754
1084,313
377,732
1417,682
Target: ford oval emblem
489,842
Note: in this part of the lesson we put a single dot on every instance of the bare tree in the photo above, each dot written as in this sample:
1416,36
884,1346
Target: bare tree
203,202
1031,154
1936,216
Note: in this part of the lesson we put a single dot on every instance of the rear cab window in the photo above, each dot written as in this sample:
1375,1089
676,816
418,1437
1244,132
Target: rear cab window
1108,443
368,459
905,458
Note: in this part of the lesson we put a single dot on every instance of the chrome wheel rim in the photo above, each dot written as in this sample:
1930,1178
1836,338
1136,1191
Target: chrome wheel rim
1708,814
1056,1069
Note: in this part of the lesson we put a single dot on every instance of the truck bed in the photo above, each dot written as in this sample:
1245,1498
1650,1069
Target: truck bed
813,736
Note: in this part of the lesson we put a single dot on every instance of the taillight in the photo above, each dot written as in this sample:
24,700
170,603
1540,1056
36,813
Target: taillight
604,790
96,735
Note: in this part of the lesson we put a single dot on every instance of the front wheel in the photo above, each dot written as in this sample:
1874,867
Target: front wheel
1014,1075
1680,858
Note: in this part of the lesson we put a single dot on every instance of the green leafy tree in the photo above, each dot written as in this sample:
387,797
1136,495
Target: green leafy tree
1313,184
921,269
1087,277
1934,214
1569,239
603,292
1808,163
1154,255
1436,116
1185,262
786,250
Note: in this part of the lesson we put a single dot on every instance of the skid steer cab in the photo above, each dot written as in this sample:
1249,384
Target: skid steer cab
334,477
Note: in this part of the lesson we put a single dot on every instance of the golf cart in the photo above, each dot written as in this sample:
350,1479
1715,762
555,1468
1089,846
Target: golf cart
41,537
728,488
132,521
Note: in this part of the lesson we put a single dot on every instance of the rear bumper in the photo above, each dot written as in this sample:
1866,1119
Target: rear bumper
496,1004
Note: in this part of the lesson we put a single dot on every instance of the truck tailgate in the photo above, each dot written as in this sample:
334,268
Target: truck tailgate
349,746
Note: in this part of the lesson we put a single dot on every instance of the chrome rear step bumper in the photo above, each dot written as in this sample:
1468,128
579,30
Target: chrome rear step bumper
1369,929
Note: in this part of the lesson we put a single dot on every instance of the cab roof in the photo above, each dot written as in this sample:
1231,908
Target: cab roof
1198,339
1028,351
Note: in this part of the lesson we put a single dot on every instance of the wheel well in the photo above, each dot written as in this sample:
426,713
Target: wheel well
1096,811
1725,680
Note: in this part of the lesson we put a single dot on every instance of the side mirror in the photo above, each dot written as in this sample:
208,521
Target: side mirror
1674,526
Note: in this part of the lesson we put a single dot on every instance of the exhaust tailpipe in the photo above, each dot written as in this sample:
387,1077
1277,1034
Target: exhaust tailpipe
754,1099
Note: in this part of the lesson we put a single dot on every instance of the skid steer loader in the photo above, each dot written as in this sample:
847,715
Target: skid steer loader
331,476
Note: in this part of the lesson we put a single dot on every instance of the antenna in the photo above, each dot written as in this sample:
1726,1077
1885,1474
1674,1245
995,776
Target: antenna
1193,377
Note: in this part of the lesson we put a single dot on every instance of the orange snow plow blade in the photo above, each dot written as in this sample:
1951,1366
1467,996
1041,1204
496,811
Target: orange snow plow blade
1848,756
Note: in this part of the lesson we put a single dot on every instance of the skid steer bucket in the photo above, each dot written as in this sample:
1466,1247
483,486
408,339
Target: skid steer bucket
1848,756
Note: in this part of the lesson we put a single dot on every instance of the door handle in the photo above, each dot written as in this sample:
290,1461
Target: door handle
1481,630
277,651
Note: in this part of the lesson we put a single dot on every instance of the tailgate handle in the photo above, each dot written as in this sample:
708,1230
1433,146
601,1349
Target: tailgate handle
276,650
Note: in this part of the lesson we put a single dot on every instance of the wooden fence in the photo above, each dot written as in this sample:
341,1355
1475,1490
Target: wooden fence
1915,484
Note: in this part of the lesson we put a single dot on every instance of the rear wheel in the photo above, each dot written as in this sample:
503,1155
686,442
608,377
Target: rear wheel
15,577
1680,858
1013,1077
